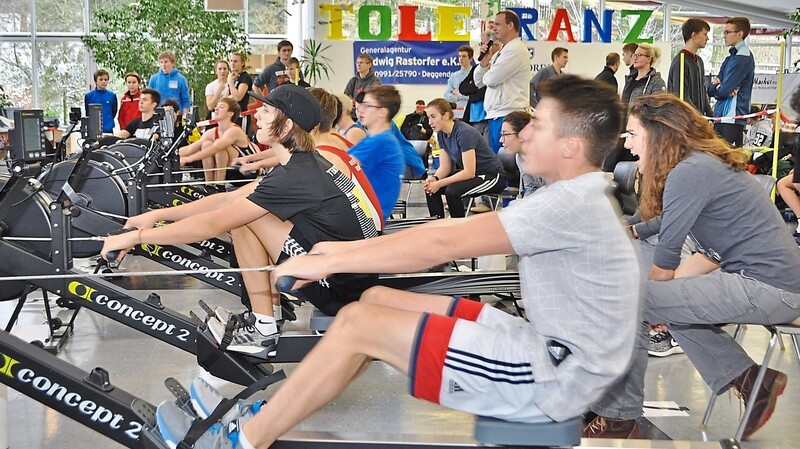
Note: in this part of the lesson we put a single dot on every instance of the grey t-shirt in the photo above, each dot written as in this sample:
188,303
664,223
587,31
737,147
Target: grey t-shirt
464,137
580,284
731,220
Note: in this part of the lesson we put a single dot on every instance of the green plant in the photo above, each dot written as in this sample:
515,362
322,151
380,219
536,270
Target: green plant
795,30
4,100
130,38
315,62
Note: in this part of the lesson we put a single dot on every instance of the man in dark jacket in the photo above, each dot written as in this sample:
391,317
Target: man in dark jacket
695,35
607,75
364,79
415,126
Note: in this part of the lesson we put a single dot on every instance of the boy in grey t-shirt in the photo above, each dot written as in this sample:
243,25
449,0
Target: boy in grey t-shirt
578,272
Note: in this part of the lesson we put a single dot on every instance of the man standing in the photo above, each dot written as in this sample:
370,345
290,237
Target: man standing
506,73
105,98
627,56
695,36
734,85
275,74
452,94
364,78
415,126
607,75
560,57
170,83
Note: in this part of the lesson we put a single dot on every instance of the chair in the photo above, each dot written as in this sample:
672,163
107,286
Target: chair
496,199
776,332
401,207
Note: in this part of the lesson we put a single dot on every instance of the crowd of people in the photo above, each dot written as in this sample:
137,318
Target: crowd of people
334,166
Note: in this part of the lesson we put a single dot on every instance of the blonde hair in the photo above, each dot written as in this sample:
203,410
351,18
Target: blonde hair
650,51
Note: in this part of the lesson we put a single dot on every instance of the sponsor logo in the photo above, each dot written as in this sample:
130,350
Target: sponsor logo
192,193
8,363
157,251
453,386
127,308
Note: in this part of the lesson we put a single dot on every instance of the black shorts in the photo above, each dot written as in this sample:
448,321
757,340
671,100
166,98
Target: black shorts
330,294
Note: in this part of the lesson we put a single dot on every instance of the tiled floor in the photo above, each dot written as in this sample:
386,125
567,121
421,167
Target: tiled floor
376,403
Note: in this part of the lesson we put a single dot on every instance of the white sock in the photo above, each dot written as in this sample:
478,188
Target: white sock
244,443
798,228
278,312
266,324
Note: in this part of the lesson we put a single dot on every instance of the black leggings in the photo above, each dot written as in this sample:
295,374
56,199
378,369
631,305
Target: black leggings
732,132
479,185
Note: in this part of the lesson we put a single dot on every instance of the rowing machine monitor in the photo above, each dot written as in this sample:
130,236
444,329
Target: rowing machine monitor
92,125
28,142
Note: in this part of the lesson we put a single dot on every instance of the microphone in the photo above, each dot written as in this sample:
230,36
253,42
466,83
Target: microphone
488,47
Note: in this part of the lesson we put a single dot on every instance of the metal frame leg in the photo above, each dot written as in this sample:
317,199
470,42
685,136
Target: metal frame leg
738,333
757,384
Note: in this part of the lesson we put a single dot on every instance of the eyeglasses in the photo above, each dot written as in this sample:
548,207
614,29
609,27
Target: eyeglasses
639,55
727,32
367,105
504,135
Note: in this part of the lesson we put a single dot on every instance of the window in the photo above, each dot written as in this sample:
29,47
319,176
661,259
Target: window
60,16
267,16
62,68
16,73
15,17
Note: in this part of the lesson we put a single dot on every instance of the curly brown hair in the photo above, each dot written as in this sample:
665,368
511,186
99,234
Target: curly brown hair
674,131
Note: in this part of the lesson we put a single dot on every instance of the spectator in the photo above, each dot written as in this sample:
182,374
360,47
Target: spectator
734,85
505,73
105,98
646,80
609,71
695,36
143,127
512,144
275,74
170,83
364,78
415,126
380,154
560,57
216,89
239,83
451,93
467,166
627,56
474,112
351,130
129,103
761,129
295,74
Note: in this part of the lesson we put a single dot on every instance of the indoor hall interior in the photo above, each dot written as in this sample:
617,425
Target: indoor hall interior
376,403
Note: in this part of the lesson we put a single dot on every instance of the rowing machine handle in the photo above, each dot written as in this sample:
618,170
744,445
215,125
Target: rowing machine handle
112,256
285,283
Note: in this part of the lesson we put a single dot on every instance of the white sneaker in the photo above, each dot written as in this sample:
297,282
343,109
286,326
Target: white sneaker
257,335
662,345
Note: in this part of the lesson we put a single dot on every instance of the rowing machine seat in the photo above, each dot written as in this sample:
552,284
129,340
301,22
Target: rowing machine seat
319,321
547,434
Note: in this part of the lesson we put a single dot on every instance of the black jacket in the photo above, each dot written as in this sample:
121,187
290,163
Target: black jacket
476,94
607,76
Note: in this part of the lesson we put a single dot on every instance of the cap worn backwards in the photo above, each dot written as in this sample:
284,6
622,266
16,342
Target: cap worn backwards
296,102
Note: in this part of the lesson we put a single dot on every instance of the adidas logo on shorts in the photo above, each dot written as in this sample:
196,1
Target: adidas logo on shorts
453,387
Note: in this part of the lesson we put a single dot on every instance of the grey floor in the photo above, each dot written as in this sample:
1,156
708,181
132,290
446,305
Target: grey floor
376,403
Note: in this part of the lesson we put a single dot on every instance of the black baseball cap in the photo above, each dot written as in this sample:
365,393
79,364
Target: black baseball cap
296,102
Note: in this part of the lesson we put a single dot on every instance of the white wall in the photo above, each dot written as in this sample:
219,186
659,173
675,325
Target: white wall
586,60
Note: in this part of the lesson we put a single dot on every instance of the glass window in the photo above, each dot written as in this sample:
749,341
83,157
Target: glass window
62,75
794,63
97,5
15,16
267,16
60,16
16,73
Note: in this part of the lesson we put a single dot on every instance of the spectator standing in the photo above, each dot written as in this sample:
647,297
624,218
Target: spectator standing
170,83
129,103
275,74
506,73
451,93
239,83
474,112
364,78
733,86
647,80
144,126
104,97
415,126
695,37
609,71
215,90
627,56
560,57
295,74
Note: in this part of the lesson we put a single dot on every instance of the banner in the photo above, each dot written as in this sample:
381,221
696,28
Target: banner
765,90
411,62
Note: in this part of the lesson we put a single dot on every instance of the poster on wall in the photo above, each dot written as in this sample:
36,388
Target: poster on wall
765,90
411,62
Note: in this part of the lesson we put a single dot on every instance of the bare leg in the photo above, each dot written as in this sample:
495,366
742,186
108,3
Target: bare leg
412,302
258,244
208,163
788,191
361,332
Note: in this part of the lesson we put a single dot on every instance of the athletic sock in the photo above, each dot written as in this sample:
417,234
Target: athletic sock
266,324
244,443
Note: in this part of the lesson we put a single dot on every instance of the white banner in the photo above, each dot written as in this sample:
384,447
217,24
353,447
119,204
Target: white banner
765,90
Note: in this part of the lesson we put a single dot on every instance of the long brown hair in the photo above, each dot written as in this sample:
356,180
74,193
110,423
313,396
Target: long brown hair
674,130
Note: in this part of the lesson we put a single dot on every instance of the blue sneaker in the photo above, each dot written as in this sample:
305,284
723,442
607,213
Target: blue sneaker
206,398
174,424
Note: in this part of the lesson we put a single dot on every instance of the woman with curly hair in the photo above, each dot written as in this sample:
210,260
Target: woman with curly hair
744,271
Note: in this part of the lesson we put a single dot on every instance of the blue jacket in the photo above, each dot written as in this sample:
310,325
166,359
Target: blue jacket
737,71
173,85
108,100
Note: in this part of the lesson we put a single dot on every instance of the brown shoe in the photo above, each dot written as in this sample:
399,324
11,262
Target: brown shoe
773,385
602,427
